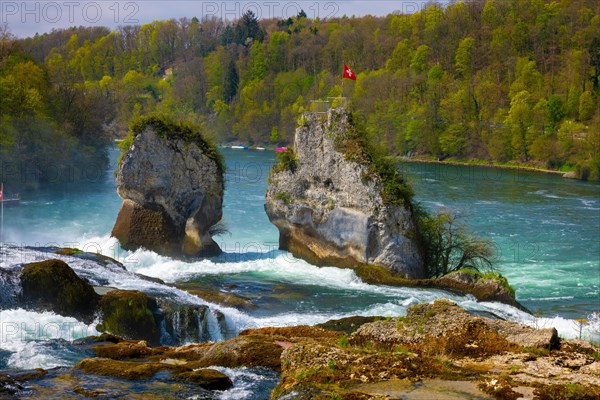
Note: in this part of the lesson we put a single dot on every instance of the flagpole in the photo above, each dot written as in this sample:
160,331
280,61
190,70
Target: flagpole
342,95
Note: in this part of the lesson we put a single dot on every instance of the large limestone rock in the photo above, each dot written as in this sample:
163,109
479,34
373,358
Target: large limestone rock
171,183
331,209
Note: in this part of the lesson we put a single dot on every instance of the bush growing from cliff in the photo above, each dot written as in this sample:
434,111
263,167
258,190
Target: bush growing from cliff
449,245
357,146
286,161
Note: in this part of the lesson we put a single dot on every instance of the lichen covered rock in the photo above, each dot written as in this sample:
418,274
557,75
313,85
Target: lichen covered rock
53,286
171,183
446,327
332,204
485,287
130,314
205,378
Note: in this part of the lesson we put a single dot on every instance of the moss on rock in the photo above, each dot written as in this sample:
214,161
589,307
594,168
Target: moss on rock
226,299
347,325
488,286
168,128
124,350
129,314
295,332
53,286
68,251
209,379
206,378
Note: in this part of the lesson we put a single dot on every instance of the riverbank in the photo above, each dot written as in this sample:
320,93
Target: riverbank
481,163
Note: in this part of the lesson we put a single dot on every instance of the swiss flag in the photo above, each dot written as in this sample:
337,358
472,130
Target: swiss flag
348,73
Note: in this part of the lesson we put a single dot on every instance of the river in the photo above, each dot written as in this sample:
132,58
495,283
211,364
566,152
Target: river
546,231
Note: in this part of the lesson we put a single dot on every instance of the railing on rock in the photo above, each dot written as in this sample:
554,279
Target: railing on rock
323,106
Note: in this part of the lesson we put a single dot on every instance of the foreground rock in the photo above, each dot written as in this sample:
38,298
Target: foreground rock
451,354
205,378
53,286
130,314
445,326
493,287
332,205
171,183
437,351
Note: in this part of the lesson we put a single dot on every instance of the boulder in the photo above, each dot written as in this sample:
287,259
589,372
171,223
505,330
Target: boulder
333,204
52,285
130,314
447,327
347,325
526,336
209,379
490,287
171,183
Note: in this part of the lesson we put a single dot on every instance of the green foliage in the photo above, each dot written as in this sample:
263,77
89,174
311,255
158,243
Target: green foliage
275,135
331,365
570,391
343,341
358,147
490,275
449,246
285,197
446,81
286,161
170,129
464,57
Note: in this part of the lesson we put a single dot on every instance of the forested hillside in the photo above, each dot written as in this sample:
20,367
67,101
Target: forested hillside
497,80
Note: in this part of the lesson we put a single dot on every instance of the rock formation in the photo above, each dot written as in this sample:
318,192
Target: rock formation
332,206
171,183
436,351
52,285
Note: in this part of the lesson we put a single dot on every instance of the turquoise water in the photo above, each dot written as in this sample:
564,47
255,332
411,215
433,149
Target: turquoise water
546,231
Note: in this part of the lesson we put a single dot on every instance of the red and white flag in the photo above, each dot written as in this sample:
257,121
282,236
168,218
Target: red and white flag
348,73
1,190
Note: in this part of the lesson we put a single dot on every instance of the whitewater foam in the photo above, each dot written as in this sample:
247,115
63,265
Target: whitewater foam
35,339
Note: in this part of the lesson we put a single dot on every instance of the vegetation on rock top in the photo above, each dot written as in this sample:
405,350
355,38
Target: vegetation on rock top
170,129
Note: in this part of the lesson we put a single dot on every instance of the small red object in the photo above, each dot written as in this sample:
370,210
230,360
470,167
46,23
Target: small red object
348,73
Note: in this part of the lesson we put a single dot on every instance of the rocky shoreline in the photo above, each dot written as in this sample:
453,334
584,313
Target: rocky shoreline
435,350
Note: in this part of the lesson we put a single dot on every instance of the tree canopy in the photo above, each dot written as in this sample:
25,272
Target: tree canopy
497,80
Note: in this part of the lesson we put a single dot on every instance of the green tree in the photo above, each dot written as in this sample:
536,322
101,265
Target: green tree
519,122
464,57
450,246
556,112
420,59
230,86
586,106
